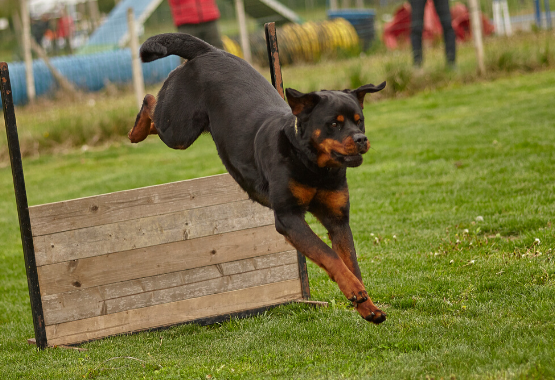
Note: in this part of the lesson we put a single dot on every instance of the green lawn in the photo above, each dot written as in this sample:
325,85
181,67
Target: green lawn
466,297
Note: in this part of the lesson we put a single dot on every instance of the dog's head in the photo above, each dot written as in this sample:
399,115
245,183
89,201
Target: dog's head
331,124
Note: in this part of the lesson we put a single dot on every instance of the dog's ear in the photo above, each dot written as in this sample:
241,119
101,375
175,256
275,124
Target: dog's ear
300,102
363,90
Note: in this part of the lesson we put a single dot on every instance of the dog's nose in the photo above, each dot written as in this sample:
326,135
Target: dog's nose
361,140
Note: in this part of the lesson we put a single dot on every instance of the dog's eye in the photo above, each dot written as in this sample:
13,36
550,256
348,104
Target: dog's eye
334,125
359,122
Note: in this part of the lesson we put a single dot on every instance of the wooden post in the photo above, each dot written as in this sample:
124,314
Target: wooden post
65,85
477,34
273,57
496,8
138,81
242,21
94,14
277,82
28,58
507,18
22,206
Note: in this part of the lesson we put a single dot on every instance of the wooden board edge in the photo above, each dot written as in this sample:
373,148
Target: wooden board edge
200,321
33,342
126,191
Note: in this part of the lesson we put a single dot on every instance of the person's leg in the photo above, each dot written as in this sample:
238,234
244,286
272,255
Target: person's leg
417,26
192,29
206,31
442,9
211,34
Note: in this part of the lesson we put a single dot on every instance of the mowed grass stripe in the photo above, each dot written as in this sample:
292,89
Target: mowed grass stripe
465,297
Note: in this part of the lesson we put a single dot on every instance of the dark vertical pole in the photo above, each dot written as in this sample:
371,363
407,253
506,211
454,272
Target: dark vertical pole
22,207
277,82
273,57
303,274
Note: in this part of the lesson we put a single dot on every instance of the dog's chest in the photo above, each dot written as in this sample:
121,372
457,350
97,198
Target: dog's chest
333,201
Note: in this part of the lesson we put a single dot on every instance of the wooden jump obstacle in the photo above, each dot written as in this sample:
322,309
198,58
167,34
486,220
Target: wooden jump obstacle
189,251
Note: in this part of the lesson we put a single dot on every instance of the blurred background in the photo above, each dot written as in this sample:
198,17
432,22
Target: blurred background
72,59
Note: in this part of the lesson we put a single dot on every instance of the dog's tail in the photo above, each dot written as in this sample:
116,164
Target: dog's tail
181,44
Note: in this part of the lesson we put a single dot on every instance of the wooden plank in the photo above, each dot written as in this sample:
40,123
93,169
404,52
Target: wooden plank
145,232
171,287
172,313
134,204
166,258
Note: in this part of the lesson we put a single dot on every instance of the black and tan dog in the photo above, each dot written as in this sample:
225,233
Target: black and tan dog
292,159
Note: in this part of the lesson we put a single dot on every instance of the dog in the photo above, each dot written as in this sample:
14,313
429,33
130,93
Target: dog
292,158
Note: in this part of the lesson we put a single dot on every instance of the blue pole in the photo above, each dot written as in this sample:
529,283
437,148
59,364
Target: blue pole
547,13
538,13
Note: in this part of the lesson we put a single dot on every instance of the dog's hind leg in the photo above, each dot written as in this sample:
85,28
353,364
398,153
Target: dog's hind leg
144,125
178,129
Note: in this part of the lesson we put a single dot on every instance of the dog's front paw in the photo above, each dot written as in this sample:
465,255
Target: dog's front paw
376,317
370,312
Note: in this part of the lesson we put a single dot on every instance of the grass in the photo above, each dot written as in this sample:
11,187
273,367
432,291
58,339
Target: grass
93,119
467,297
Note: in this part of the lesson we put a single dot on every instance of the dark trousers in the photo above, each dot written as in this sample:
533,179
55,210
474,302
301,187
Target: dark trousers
417,26
206,31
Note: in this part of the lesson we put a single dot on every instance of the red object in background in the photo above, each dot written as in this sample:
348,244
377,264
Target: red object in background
461,23
64,28
397,31
193,11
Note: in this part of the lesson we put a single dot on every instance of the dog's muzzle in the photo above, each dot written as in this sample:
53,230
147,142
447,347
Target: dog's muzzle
361,142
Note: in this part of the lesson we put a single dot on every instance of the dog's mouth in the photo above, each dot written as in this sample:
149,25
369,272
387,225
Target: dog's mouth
351,160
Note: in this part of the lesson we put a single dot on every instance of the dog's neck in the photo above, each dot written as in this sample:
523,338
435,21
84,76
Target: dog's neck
303,152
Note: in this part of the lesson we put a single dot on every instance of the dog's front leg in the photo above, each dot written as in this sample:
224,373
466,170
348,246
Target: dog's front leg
299,234
341,238
342,242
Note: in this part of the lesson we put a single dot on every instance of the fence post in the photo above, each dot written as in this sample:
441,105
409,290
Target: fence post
242,20
477,34
547,14
22,206
138,81
28,58
94,13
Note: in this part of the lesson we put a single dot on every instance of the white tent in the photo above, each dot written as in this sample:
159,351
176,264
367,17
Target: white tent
40,7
